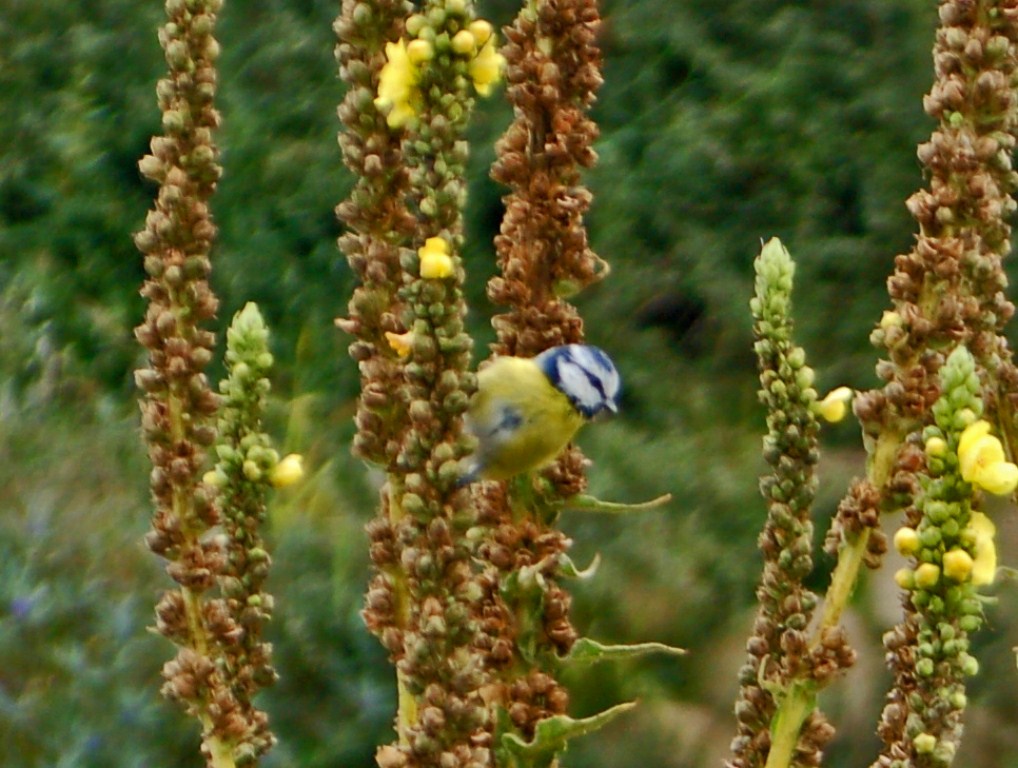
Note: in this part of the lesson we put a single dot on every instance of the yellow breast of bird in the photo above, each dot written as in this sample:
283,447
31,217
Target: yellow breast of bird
522,422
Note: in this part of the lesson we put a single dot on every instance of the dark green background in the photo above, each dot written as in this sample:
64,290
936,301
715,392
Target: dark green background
722,123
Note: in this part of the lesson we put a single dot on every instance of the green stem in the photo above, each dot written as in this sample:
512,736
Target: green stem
853,552
406,714
796,706
406,703
846,572
220,751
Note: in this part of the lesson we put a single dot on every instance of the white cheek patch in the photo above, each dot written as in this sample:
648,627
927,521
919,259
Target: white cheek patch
574,381
588,359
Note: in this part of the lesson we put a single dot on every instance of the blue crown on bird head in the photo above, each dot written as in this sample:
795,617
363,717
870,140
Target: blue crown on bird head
585,375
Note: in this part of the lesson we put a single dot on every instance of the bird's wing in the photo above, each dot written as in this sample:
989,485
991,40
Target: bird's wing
506,419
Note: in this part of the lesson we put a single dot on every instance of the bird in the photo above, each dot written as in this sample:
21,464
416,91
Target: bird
526,410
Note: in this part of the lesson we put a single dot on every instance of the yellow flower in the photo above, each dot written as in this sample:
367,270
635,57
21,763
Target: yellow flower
288,471
972,432
401,343
958,564
436,262
397,85
486,67
984,565
981,460
835,405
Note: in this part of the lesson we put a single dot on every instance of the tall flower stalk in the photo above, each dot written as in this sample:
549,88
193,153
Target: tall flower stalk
783,673
552,74
178,405
247,468
412,81
951,551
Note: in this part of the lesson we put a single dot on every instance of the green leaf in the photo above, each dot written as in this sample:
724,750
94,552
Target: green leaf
583,502
551,737
587,651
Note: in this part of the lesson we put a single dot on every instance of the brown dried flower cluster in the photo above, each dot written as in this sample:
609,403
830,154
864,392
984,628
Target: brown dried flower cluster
859,513
552,73
377,222
178,405
949,288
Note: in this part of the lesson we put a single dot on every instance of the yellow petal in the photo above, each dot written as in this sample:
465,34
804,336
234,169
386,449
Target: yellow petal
436,263
984,567
400,115
400,342
973,432
999,478
433,245
435,266
982,526
835,405
397,84
979,453
288,471
486,67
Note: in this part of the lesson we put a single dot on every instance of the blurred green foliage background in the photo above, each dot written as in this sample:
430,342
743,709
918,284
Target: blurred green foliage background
722,123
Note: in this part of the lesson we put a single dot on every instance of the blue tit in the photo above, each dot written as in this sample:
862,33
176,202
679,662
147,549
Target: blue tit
526,410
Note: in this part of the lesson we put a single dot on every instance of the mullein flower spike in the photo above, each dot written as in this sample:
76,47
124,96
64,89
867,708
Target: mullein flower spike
951,551
783,669
415,356
247,468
